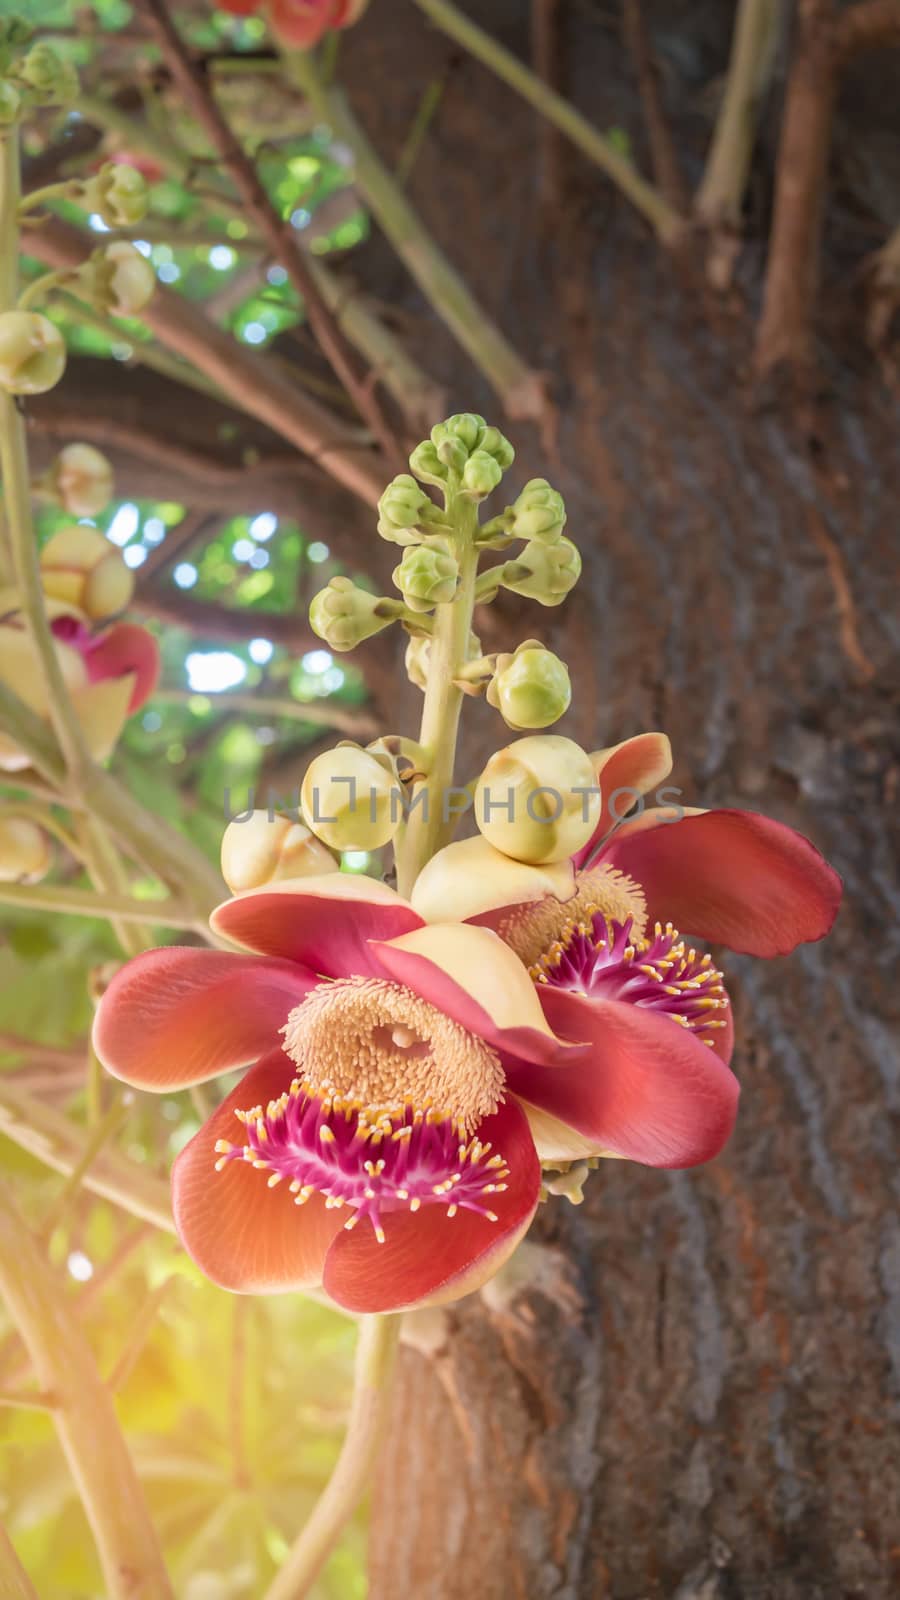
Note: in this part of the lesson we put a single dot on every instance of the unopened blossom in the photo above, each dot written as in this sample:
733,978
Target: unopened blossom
385,1138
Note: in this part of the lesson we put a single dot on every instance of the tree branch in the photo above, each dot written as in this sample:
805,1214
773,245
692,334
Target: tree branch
663,155
866,26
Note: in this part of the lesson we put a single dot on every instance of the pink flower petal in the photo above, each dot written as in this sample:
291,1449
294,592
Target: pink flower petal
124,648
428,1256
639,765
473,977
242,1234
649,1090
730,877
177,1016
325,923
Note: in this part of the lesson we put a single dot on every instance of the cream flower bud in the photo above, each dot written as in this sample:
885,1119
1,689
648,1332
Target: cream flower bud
118,193
343,614
427,576
418,658
264,848
403,508
495,444
465,428
32,353
538,513
81,480
350,799
531,688
10,103
25,851
81,568
544,572
121,279
51,78
481,474
427,464
537,800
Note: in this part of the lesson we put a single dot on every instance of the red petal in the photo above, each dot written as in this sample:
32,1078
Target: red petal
637,764
730,877
428,1256
126,647
242,1234
177,1016
649,1090
324,923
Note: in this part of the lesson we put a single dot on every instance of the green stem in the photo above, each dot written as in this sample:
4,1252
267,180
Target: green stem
15,1583
51,191
99,1135
57,897
86,1421
520,389
40,287
753,48
428,825
663,218
375,1355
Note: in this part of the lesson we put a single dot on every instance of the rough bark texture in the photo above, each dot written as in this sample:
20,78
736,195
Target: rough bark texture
703,1408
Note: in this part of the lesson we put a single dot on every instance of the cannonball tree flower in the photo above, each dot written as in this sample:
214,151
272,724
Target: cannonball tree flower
599,931
110,672
378,1143
301,23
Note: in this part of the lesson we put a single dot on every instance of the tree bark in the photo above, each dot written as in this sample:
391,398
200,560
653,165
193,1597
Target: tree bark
693,1400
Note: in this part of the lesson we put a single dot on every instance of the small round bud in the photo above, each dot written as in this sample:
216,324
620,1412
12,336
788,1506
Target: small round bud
466,427
262,849
25,851
350,799
427,464
32,352
121,279
81,568
401,508
427,575
481,474
538,800
10,103
495,444
118,193
418,657
538,513
51,78
531,688
544,572
80,480
343,614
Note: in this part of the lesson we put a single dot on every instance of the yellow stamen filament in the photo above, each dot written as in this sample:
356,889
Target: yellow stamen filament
531,929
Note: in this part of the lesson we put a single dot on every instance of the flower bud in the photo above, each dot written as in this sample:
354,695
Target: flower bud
81,568
427,575
118,193
343,614
465,428
539,513
538,800
265,848
350,799
401,508
531,688
544,572
51,77
481,475
427,464
32,352
10,103
495,444
120,279
418,658
81,480
25,851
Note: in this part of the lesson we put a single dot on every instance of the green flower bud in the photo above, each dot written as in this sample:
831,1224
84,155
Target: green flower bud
25,851
10,103
427,575
51,77
539,513
14,32
401,508
427,464
531,688
343,614
118,193
538,799
481,475
32,353
495,444
350,799
466,427
544,572
268,849
418,657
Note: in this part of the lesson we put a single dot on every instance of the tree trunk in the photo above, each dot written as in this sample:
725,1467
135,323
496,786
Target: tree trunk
694,1396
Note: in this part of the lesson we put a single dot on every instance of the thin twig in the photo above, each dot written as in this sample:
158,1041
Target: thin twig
56,897
667,171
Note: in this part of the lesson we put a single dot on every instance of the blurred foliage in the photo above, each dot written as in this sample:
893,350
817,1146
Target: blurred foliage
233,1408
